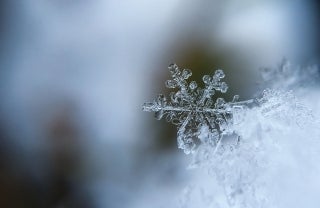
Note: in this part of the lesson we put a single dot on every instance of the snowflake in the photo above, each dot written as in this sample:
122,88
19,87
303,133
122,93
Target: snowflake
193,110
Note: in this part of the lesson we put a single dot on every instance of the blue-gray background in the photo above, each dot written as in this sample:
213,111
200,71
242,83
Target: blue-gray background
74,73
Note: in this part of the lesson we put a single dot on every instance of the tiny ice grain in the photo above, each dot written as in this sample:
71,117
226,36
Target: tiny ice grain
199,118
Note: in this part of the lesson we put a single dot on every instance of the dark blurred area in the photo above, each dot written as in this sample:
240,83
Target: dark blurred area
74,74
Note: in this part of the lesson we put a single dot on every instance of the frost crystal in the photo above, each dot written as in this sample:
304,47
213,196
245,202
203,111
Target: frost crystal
194,111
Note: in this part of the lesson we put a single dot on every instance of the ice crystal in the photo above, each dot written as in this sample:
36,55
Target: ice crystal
200,118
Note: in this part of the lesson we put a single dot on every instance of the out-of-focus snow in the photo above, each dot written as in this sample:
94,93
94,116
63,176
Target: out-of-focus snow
92,61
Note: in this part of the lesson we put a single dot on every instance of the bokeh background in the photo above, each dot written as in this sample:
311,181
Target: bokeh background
74,74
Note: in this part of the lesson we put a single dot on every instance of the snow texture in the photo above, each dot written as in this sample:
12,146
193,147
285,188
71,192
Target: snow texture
258,153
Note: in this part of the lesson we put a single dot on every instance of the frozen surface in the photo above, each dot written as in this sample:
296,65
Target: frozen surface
262,152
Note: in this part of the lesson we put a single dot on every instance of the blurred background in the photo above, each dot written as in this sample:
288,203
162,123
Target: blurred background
74,74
